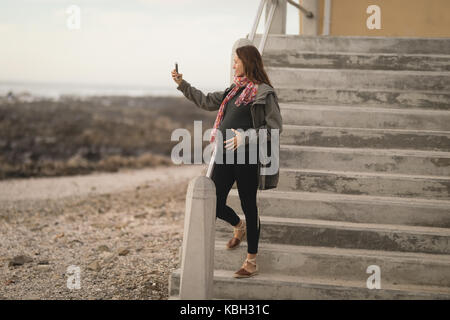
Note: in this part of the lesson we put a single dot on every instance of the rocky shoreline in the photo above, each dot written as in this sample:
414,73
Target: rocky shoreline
81,135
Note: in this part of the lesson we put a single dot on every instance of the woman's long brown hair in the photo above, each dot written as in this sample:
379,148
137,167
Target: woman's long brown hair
253,64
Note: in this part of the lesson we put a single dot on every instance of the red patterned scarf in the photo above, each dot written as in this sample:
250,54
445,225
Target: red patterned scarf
247,96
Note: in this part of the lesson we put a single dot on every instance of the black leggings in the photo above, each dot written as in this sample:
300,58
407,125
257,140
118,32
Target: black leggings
246,176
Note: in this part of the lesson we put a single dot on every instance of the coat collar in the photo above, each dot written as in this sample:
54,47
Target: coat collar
263,90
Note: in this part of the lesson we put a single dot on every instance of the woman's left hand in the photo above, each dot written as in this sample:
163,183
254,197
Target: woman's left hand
236,141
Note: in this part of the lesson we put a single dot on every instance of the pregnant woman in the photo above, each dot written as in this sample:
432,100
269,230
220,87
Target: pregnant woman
249,103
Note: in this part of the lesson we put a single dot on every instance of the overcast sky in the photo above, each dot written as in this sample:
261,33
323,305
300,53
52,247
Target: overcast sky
126,42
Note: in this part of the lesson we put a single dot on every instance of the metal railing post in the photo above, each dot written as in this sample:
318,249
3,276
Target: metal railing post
262,44
327,18
257,19
275,11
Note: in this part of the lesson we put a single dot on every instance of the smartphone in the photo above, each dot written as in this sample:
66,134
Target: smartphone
176,67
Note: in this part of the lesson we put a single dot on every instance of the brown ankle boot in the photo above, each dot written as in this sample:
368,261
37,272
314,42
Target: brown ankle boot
248,269
239,235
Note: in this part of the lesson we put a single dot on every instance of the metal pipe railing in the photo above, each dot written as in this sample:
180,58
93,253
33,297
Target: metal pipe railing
268,24
262,44
308,14
256,22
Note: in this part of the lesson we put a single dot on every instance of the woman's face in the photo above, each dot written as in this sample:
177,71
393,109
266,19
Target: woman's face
238,66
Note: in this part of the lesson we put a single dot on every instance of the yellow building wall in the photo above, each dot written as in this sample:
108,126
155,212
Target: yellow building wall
399,18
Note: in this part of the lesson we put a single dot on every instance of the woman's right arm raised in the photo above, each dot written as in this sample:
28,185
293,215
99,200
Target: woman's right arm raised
209,102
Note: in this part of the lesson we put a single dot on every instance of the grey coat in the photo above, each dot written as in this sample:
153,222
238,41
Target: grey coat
265,113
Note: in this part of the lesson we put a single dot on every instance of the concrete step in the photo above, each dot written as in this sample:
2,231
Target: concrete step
355,44
359,79
322,233
348,208
366,160
364,117
276,286
397,268
365,183
352,60
386,98
365,138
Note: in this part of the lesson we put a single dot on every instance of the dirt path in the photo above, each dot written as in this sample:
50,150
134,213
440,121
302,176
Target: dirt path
96,183
122,230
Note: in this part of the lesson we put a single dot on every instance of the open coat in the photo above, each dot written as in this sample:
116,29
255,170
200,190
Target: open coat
265,113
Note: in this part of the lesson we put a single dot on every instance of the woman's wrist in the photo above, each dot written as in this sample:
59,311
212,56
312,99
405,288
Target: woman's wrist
181,85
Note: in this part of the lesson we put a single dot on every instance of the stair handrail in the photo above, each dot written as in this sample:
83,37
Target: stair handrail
308,14
251,36
274,4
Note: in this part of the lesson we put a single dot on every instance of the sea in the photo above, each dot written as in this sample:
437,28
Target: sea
56,90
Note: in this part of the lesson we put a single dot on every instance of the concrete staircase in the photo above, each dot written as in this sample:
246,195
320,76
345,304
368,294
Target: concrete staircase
364,178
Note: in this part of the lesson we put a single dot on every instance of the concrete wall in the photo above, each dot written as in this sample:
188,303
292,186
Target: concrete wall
399,18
